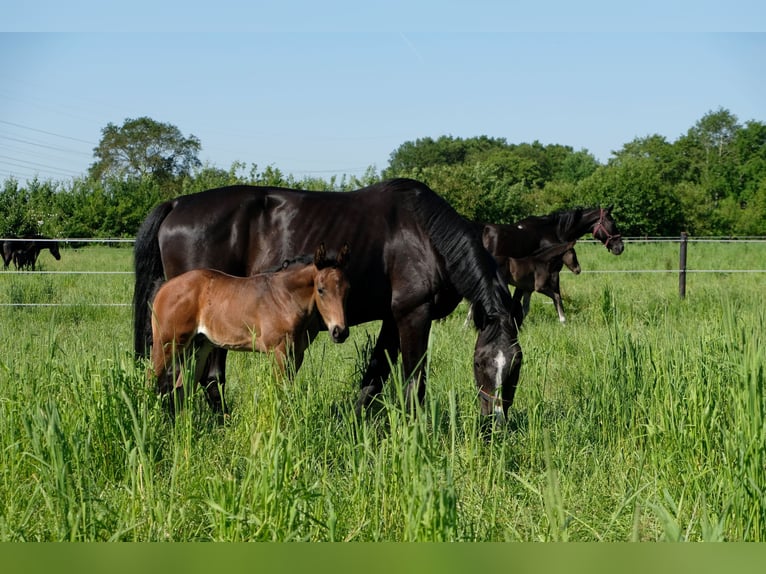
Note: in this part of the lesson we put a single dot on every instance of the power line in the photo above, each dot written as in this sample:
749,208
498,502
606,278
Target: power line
37,144
46,132
33,164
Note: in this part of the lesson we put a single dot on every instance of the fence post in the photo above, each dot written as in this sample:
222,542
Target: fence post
682,266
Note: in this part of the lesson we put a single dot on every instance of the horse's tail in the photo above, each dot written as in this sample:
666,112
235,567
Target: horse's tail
148,269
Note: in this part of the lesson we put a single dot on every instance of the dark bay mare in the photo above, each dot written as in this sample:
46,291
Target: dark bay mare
524,237
414,260
531,234
25,250
276,312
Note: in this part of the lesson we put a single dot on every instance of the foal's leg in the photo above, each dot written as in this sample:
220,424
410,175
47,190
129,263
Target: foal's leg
556,295
559,306
163,363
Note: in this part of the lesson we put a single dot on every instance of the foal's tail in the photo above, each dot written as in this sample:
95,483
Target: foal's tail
148,272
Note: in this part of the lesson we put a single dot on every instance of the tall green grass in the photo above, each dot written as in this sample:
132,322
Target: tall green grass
642,418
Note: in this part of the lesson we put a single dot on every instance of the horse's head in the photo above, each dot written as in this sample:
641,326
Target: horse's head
570,260
54,249
331,288
497,361
607,233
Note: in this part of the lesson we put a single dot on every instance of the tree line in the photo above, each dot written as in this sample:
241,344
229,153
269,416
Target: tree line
710,181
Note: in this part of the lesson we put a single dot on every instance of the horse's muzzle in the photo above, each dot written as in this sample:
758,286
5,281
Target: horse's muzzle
339,334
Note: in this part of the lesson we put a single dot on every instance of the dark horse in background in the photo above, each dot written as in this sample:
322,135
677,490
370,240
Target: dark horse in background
540,274
24,251
532,234
526,236
415,258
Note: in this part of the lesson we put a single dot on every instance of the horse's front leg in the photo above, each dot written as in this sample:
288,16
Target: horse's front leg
414,329
517,306
385,353
526,300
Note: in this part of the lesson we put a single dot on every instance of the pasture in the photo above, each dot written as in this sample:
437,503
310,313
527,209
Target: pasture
643,418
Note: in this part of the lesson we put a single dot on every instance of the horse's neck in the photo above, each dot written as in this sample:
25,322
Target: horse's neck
584,224
299,285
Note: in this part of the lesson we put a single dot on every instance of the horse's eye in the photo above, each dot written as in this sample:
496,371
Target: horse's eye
320,290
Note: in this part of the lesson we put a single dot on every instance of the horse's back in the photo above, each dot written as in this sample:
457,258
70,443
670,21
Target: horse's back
244,230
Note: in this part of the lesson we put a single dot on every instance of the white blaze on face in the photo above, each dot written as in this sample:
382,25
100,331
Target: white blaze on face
498,406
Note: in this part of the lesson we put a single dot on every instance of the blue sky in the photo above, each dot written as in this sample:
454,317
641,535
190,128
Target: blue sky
333,90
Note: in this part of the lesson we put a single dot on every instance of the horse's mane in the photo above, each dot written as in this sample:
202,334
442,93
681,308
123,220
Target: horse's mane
561,219
471,269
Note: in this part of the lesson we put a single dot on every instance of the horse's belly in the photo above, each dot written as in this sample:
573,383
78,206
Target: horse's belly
242,339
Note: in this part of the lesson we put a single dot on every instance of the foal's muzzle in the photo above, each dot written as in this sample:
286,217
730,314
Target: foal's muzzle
339,334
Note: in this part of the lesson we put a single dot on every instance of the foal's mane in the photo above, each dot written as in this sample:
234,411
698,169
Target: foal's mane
330,260
287,263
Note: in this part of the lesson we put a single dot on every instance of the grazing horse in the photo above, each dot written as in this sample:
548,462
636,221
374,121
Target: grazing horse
25,251
415,258
278,311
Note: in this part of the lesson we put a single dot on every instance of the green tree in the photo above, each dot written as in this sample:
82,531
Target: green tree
645,205
446,150
15,217
750,145
576,166
143,147
711,154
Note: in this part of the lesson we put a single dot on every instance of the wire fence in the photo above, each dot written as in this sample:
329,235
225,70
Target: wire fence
681,271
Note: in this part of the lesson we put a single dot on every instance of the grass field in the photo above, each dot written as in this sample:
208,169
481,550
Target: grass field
642,418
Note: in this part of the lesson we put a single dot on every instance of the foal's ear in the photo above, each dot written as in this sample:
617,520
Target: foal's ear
320,254
343,255
610,208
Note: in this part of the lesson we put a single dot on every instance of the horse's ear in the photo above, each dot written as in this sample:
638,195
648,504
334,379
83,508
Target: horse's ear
320,254
479,316
343,255
610,208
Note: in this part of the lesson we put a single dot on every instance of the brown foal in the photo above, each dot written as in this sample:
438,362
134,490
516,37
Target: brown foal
277,312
